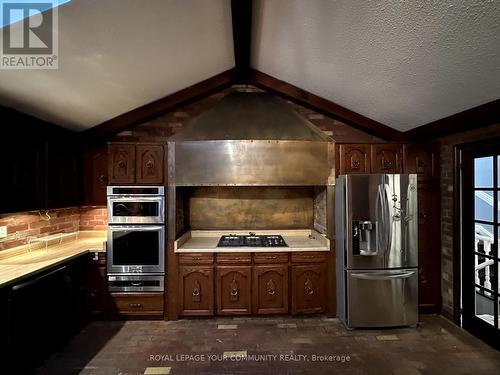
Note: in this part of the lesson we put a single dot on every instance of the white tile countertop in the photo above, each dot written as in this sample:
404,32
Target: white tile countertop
206,241
16,264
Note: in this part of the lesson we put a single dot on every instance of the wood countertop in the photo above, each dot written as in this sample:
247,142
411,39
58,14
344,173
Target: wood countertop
25,263
206,241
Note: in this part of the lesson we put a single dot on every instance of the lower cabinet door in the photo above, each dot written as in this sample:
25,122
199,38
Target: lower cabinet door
234,287
308,288
196,290
270,289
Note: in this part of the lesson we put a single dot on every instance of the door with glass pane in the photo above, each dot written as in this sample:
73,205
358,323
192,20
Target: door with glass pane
480,233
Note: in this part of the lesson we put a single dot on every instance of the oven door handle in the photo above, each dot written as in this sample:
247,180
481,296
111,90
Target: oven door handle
135,199
136,228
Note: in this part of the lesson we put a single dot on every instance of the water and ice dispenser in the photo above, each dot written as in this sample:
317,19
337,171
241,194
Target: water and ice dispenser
364,237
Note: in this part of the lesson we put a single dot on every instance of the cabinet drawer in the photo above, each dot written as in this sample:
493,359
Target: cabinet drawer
234,258
260,258
196,258
138,304
309,257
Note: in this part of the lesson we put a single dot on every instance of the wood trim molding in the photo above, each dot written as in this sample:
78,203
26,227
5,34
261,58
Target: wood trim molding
482,115
168,103
241,14
323,106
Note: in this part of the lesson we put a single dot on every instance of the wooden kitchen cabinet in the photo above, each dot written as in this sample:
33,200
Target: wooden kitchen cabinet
354,158
386,158
196,291
234,290
23,176
135,163
121,163
422,160
270,289
97,286
138,305
63,177
149,164
309,288
95,175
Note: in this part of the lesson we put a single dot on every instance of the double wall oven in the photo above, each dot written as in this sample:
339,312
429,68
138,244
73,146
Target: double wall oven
136,238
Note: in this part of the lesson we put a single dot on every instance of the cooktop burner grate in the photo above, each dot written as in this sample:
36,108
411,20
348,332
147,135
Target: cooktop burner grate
252,240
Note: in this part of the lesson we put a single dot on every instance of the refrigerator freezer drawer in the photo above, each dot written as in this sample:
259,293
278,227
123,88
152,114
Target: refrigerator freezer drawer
385,298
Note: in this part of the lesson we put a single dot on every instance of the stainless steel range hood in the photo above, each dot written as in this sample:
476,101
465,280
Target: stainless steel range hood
250,139
250,116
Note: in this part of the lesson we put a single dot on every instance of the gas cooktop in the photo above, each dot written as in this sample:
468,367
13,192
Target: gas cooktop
251,240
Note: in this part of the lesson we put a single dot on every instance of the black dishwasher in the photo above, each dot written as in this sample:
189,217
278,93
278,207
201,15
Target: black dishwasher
43,312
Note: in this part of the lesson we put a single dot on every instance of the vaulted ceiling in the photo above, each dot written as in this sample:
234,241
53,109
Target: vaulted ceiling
402,64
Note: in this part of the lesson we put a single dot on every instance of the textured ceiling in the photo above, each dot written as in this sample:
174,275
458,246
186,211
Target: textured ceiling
402,63
116,55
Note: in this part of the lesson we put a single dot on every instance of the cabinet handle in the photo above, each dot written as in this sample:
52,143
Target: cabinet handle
149,164
137,305
121,164
271,288
308,288
234,290
387,164
196,293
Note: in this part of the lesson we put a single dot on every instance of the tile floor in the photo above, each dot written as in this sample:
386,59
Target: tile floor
275,345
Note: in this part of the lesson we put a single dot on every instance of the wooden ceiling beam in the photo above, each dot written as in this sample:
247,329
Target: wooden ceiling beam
482,115
241,14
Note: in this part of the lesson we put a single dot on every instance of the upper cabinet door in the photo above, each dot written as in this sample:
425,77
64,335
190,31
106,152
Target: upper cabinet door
121,163
421,159
149,164
95,175
387,158
354,158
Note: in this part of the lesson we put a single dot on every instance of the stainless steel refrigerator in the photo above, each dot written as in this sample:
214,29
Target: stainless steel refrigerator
377,250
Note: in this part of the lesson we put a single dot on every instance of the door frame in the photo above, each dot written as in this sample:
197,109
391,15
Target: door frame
462,217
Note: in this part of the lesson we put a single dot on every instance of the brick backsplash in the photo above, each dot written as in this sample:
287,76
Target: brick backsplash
447,205
22,226
93,218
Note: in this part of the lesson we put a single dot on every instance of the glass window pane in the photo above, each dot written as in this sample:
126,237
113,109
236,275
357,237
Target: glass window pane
483,172
484,306
498,317
498,207
483,205
483,239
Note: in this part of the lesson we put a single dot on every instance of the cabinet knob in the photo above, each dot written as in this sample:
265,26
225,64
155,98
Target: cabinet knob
121,164
149,164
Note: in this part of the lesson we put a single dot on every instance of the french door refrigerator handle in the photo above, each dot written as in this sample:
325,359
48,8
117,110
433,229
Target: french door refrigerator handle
375,276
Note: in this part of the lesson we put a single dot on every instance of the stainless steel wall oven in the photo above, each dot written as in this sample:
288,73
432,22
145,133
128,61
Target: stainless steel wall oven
136,238
136,204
